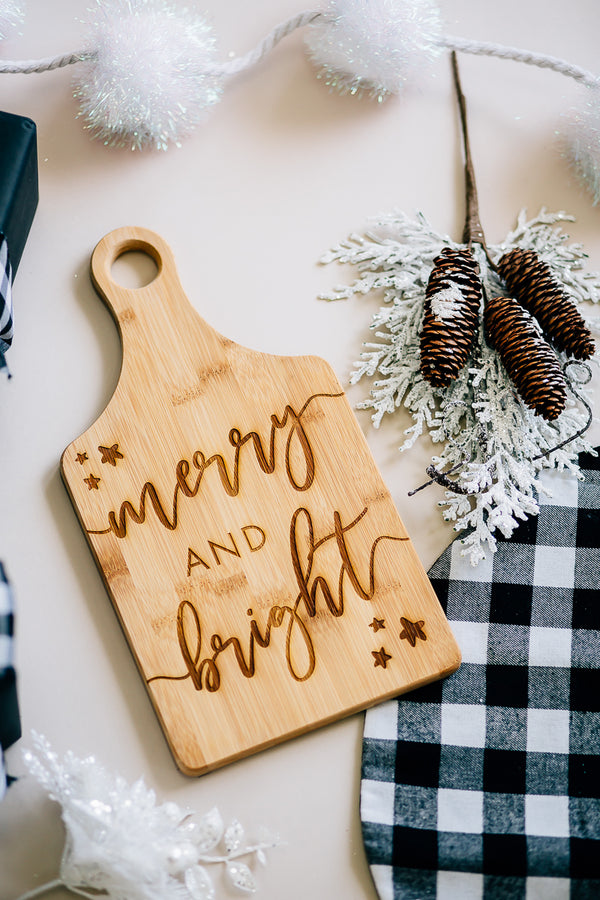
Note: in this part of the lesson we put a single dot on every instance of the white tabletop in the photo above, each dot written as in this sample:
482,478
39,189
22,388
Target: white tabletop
281,171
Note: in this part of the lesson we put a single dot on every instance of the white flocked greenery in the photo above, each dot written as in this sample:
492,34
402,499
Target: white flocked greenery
493,444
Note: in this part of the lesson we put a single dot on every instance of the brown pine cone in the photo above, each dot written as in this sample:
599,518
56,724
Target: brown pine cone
530,362
452,302
532,283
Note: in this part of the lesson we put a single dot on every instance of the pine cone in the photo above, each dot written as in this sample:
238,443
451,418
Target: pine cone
531,282
452,302
530,362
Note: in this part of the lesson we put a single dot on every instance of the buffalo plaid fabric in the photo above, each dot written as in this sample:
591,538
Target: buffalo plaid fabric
6,308
487,785
10,725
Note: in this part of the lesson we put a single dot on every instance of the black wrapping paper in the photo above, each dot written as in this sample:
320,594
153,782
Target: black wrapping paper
18,182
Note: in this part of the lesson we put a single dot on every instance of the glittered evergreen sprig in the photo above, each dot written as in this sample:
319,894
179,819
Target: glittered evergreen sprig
494,443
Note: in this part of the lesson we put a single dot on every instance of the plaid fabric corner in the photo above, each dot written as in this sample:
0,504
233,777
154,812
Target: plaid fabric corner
10,725
487,785
6,307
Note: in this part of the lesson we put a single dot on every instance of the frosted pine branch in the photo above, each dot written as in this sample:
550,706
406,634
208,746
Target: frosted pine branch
493,444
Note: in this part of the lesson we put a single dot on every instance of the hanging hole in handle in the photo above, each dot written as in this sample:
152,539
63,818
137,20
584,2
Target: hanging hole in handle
135,267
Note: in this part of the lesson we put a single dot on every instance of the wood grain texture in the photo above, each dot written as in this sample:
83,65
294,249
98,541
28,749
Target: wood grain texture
253,554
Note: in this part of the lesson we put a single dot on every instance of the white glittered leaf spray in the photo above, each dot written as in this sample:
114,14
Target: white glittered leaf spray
122,845
494,443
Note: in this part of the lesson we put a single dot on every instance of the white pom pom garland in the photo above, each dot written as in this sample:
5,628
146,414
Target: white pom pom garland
152,77
375,46
149,71
11,15
583,142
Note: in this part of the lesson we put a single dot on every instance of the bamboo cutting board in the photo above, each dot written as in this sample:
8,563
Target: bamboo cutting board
260,571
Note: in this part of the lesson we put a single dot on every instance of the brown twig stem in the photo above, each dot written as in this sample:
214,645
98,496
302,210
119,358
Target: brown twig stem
473,232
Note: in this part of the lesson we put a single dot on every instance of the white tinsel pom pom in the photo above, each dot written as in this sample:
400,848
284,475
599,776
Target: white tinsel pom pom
150,81
11,15
377,46
583,142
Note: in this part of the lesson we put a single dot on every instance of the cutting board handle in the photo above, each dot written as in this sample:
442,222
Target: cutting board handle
124,240
156,322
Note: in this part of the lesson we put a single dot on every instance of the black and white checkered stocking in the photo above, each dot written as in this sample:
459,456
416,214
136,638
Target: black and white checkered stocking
487,785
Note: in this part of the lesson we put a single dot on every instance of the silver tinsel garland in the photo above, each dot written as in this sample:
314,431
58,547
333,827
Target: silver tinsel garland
494,445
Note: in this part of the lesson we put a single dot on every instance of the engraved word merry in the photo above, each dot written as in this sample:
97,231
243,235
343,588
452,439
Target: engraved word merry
188,482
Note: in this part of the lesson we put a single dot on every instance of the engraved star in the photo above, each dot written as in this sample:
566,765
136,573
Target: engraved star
376,624
92,482
412,631
81,458
110,454
381,657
